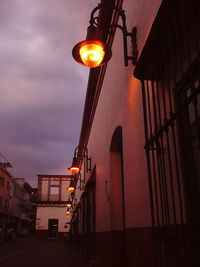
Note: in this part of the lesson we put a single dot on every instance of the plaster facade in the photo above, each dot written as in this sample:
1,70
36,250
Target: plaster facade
140,203
51,218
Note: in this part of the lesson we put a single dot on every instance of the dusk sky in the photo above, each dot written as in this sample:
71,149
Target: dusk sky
42,88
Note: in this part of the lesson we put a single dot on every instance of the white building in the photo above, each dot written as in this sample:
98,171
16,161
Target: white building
51,218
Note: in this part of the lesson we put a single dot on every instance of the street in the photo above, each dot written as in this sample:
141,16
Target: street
30,252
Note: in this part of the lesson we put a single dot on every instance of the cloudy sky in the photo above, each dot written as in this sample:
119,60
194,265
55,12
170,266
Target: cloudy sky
42,89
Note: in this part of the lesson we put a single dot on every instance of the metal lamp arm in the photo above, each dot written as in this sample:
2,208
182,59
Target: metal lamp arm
84,155
99,6
123,28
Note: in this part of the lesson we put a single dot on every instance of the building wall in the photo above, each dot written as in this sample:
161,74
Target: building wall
5,182
120,104
52,197
5,185
16,200
128,240
144,216
47,182
45,191
46,213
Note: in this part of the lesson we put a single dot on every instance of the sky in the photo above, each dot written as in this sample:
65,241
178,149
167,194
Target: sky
42,89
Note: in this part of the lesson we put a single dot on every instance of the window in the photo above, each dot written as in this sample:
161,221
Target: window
170,75
54,193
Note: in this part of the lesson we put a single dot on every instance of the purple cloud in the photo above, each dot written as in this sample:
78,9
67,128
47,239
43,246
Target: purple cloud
42,88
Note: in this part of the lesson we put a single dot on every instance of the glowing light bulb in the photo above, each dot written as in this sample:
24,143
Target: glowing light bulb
74,170
71,189
92,55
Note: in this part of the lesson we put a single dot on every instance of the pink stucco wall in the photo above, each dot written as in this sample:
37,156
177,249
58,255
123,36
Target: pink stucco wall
120,104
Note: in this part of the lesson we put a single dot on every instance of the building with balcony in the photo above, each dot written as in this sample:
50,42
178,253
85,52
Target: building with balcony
16,199
140,202
22,210
52,219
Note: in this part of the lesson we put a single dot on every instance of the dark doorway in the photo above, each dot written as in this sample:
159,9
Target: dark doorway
53,228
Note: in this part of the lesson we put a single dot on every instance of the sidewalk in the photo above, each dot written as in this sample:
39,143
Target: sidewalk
31,252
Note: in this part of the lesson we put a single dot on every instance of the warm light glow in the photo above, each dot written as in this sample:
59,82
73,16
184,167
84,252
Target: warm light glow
68,212
71,189
69,205
74,170
92,55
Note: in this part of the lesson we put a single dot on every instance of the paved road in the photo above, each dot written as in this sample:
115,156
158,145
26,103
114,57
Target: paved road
30,252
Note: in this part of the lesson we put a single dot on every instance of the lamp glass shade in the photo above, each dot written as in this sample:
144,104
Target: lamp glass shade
92,55
69,204
71,188
74,169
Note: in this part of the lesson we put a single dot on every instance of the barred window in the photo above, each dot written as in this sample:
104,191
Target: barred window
169,71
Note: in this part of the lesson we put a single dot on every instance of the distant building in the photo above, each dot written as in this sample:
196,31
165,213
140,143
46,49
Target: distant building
5,184
16,199
52,220
33,201
22,211
16,203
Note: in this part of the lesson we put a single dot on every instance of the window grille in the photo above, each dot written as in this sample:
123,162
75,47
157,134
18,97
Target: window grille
169,70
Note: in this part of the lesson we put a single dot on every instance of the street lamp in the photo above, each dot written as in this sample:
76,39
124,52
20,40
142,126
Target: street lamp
67,212
74,169
72,186
80,153
94,52
69,203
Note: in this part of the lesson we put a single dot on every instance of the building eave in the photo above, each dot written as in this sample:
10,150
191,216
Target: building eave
96,75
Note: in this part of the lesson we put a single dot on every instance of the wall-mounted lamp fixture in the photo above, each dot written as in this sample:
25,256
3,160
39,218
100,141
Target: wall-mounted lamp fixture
76,179
81,185
80,153
69,203
93,52
71,188
74,169
67,212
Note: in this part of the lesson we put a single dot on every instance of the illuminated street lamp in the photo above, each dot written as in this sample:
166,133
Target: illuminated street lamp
67,212
80,153
74,169
93,51
71,188
69,203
